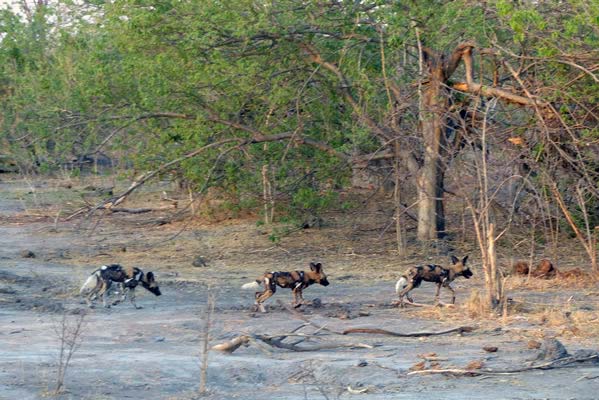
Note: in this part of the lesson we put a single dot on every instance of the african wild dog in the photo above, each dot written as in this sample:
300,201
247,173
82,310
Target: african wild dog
100,281
442,276
294,280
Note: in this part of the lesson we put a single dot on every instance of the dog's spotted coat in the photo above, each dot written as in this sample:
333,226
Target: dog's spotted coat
297,281
101,280
442,276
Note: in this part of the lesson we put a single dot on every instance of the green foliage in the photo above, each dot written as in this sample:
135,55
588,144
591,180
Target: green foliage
77,81
308,201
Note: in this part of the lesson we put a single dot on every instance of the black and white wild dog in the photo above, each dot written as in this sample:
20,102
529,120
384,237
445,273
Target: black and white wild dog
100,281
294,280
442,276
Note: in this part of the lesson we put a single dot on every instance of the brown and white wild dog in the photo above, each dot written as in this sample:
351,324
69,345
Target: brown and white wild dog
442,276
294,280
100,281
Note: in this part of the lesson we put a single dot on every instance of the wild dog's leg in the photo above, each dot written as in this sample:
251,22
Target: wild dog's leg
452,292
132,298
123,290
104,291
89,299
270,288
298,299
301,295
438,292
93,295
261,297
405,292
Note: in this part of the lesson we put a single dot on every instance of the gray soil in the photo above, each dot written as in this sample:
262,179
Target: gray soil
155,352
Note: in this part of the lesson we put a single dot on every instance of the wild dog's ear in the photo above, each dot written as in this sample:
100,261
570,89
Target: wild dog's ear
150,276
454,260
464,260
316,267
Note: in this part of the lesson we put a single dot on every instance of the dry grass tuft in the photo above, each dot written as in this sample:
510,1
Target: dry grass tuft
551,317
476,305
569,279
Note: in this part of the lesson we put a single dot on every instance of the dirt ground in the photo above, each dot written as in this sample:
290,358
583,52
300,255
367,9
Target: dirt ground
155,352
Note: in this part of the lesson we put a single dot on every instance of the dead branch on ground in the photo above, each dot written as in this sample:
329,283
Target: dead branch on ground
277,341
232,345
295,313
413,304
461,329
559,363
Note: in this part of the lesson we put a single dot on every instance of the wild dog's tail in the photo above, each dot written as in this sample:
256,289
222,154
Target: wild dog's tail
401,284
91,283
252,285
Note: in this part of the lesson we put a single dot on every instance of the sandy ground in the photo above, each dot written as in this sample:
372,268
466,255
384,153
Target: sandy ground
154,353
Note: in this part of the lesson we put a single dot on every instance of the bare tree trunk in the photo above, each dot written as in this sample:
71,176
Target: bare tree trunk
430,182
205,340
494,290
439,204
399,228
267,196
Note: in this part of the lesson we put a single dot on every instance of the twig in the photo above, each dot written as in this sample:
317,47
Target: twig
587,377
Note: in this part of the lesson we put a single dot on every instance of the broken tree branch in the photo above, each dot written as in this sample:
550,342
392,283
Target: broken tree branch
232,345
488,91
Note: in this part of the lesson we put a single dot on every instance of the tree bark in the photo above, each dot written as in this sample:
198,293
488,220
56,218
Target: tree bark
400,232
430,181
492,278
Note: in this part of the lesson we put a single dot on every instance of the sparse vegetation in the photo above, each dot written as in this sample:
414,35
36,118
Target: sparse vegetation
70,334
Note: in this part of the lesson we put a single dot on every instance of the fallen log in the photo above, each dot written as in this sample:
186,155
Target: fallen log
232,345
138,210
276,341
377,331
119,209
